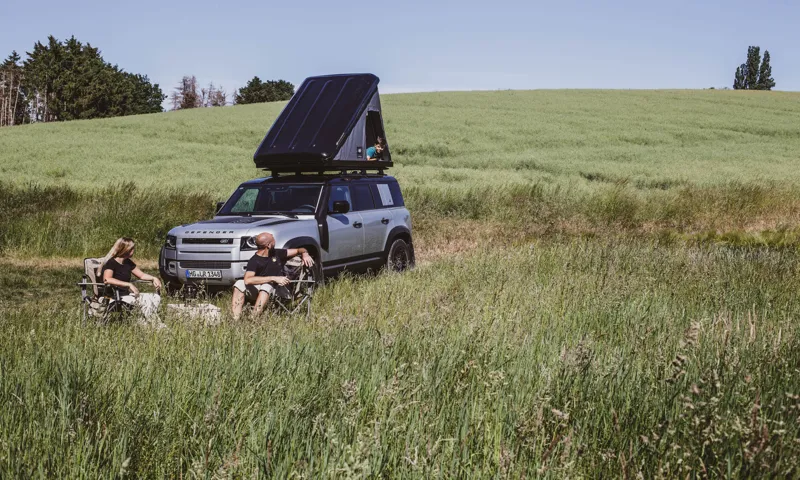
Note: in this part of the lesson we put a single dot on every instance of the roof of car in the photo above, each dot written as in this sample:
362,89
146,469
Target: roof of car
331,179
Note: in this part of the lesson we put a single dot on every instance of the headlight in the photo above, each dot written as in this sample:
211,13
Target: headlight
248,243
171,241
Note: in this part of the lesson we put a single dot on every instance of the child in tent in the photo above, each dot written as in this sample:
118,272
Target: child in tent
376,152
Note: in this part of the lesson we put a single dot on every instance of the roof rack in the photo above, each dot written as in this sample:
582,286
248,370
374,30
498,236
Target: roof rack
357,170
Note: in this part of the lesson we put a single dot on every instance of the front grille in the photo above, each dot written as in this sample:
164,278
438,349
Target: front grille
206,264
207,241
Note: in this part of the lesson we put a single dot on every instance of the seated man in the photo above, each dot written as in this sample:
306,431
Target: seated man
376,152
264,273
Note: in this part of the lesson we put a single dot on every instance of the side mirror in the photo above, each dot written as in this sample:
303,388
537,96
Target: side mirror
219,206
341,206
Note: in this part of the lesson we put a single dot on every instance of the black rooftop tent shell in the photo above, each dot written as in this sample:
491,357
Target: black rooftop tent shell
328,124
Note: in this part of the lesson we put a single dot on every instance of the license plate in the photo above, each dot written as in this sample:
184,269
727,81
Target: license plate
203,274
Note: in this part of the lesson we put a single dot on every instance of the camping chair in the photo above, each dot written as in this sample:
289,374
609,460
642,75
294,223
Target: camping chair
297,295
98,300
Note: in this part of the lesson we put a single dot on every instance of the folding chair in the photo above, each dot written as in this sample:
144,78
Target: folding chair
298,293
98,300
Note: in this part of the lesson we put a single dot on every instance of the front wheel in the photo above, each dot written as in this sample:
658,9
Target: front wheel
399,256
315,273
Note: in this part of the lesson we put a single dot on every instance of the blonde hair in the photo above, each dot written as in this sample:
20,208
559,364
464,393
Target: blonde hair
121,247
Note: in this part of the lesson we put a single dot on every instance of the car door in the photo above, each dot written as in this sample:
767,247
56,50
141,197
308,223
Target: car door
376,219
345,231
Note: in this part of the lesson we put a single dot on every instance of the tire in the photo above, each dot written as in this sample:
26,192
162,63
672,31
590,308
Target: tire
317,273
399,257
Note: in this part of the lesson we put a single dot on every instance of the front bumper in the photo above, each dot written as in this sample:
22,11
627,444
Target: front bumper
174,265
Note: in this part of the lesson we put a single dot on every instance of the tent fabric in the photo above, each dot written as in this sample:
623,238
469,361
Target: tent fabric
356,144
324,124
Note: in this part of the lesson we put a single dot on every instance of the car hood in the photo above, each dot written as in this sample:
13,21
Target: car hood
227,225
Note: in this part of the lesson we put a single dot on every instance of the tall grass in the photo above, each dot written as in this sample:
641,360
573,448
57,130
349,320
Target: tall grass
67,222
589,358
60,221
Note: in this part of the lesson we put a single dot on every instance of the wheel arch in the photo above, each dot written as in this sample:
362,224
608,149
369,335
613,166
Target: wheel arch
307,243
401,233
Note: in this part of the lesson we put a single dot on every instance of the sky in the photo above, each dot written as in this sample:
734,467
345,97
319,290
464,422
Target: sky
425,45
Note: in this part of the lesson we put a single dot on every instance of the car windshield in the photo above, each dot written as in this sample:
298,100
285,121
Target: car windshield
266,199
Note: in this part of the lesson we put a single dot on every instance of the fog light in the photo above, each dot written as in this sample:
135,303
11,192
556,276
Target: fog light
172,267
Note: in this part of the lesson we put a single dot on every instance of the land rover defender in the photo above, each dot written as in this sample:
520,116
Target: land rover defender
322,194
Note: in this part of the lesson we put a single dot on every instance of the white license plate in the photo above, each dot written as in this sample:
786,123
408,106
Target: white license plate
203,273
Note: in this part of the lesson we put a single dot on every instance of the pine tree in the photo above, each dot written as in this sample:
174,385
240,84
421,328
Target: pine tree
753,63
765,80
186,94
754,74
738,80
71,80
12,92
218,98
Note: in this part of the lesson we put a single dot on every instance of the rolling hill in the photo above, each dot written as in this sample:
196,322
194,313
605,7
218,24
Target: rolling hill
608,288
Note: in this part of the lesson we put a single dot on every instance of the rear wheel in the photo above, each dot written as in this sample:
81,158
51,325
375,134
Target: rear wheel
399,256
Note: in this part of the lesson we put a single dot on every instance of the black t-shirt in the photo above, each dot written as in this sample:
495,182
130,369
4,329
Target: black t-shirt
269,266
122,272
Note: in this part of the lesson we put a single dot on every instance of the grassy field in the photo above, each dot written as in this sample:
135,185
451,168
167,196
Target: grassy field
607,288
651,139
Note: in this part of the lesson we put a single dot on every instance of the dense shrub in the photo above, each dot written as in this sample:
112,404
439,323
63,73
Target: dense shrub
60,221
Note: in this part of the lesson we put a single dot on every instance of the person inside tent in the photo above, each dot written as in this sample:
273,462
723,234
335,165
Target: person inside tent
376,152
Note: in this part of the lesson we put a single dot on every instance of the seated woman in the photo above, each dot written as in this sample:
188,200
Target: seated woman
376,152
117,268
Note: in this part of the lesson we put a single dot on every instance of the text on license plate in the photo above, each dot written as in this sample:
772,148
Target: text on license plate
203,273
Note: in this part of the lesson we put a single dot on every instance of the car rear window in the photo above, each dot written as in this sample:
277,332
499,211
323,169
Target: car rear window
387,195
394,187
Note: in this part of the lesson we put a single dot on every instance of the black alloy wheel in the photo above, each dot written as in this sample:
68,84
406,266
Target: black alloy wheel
399,256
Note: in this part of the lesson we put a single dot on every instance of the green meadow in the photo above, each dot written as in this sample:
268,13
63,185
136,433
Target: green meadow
607,287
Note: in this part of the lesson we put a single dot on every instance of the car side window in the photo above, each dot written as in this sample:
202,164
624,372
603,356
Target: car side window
339,193
362,198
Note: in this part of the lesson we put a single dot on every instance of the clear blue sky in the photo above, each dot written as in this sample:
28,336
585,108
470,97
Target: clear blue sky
421,46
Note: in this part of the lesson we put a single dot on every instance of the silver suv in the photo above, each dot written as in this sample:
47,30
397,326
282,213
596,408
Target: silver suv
347,222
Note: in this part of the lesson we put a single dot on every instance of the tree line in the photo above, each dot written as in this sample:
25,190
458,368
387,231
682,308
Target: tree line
70,80
188,93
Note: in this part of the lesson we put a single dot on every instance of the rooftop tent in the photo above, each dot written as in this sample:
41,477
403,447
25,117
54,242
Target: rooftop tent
328,124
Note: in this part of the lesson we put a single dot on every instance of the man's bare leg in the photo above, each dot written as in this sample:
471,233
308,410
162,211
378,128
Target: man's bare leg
261,302
237,303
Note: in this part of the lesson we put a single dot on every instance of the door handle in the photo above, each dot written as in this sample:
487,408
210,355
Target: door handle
357,224
385,221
